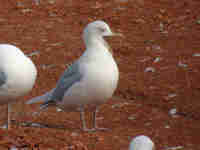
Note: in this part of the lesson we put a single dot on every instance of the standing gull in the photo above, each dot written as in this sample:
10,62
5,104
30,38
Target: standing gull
92,79
17,75
142,143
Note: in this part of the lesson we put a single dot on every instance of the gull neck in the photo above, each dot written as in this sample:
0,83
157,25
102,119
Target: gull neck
93,40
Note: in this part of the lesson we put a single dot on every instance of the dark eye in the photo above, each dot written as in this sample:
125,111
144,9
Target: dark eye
102,29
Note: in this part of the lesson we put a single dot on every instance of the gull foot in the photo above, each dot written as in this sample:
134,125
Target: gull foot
89,130
102,129
95,129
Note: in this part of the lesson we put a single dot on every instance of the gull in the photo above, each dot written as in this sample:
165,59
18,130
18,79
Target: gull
142,142
91,79
17,75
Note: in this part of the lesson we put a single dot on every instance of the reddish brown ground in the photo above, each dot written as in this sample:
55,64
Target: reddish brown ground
153,29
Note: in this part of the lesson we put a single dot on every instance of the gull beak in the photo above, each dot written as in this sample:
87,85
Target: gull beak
117,34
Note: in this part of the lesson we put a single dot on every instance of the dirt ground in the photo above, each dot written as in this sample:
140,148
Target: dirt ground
159,62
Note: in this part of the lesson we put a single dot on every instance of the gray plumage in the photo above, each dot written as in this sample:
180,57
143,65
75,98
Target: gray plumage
17,76
69,77
3,78
92,79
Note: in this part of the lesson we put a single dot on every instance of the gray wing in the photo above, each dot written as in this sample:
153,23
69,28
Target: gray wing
69,77
3,78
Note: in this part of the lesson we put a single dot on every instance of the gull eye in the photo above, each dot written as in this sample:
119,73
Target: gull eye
102,30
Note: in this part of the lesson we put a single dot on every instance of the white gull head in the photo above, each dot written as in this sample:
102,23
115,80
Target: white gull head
142,143
95,31
19,71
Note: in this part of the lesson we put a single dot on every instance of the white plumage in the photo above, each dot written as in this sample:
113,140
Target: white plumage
92,79
142,143
17,74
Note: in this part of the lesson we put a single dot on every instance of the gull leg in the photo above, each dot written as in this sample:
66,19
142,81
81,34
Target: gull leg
9,117
82,116
37,113
43,107
94,121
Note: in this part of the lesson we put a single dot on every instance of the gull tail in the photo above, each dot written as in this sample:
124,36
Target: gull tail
47,104
40,99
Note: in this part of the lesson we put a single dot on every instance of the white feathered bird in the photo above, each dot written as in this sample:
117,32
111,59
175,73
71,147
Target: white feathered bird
142,142
17,75
92,79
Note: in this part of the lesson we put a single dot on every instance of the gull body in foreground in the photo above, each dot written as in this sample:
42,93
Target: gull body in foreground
142,142
17,75
92,79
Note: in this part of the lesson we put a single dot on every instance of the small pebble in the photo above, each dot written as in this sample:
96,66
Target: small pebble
59,110
140,20
161,27
51,14
180,64
149,41
74,134
148,124
20,4
157,59
47,66
3,126
51,1
196,55
150,69
162,11
35,125
145,59
156,47
26,10
172,95
198,21
132,117
172,111
37,2
119,105
165,32
33,53
121,1
167,126
56,44
13,148
175,148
